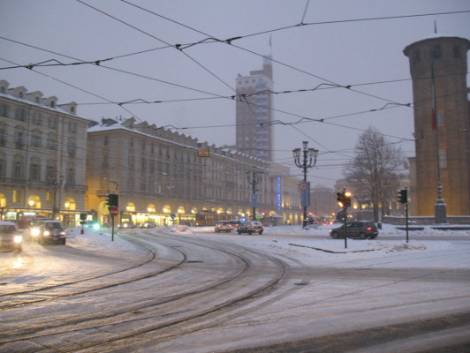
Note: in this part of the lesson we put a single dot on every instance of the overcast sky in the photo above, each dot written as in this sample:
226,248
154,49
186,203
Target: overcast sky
344,53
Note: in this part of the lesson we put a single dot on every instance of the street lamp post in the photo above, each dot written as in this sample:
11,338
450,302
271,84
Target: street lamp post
309,160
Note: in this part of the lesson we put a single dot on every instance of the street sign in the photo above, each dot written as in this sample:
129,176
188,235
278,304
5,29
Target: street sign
203,152
113,210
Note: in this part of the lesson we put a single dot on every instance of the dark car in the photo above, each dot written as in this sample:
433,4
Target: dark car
250,228
10,238
360,230
49,231
223,226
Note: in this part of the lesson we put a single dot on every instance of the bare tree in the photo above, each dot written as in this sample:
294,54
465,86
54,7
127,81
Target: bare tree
373,172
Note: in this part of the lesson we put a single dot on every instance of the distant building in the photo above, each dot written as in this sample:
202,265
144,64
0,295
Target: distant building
446,138
42,156
322,201
254,112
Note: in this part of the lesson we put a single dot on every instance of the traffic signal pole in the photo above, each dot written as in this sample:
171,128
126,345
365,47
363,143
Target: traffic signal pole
112,227
403,199
406,219
345,228
112,200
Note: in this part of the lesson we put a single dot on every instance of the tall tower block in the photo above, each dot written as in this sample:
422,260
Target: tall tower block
254,132
438,68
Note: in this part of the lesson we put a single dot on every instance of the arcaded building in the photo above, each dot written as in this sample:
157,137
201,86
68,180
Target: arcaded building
438,68
42,156
167,177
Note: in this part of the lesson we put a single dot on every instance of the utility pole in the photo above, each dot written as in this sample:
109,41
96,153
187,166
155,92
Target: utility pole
440,210
309,161
254,178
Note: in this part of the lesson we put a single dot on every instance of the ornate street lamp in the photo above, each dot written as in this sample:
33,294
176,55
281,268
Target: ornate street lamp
309,161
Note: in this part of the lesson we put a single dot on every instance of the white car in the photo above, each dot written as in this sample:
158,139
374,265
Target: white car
10,237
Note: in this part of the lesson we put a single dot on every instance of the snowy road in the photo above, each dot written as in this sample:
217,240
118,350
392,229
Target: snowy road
203,292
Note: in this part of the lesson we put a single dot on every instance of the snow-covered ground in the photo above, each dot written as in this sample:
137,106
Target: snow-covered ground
314,247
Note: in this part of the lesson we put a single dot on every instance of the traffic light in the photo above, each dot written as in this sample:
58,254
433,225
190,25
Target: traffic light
403,196
112,200
347,199
344,199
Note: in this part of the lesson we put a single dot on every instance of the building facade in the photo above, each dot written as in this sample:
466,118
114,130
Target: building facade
166,177
42,156
254,112
323,201
442,123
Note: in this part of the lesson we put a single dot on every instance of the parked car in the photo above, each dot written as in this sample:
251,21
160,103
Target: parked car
361,230
10,237
49,231
223,226
148,225
251,227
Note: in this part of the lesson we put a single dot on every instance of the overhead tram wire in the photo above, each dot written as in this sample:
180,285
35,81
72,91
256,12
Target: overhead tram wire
111,68
157,39
76,87
165,42
206,69
229,42
178,85
302,118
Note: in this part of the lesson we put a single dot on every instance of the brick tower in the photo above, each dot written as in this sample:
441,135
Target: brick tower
438,68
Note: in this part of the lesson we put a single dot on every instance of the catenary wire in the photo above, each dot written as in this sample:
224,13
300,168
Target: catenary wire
256,53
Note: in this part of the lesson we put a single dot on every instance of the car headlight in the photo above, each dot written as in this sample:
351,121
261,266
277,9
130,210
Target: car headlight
62,233
35,231
18,239
46,233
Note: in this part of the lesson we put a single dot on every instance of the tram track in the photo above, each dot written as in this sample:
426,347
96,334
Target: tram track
158,324
45,296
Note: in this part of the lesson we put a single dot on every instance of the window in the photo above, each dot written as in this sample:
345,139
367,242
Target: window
4,110
105,162
3,135
52,123
51,141
19,138
105,141
72,127
3,168
35,170
436,52
50,172
20,114
131,143
456,51
37,119
52,104
71,148
36,138
71,176
18,170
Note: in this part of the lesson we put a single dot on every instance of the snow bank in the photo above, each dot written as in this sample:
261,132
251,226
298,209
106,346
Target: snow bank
100,241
